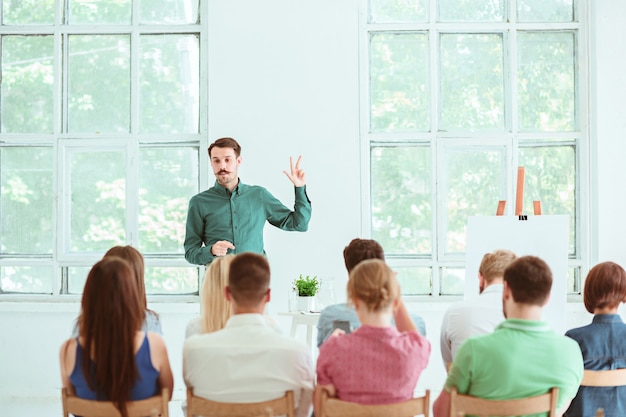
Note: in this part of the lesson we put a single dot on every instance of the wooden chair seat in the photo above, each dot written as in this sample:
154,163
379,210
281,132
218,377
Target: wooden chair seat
462,405
197,406
333,407
154,407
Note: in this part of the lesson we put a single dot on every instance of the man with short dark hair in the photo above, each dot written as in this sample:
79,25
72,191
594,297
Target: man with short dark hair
357,250
229,217
523,357
248,361
480,314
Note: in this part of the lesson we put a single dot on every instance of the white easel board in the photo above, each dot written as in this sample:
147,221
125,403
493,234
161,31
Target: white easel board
543,236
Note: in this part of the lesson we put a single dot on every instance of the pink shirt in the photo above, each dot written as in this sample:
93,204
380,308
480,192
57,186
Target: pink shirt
373,365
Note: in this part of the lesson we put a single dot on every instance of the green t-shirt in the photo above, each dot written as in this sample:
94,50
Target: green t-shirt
521,358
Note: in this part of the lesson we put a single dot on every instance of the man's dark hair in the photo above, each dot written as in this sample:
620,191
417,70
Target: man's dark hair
226,143
361,249
248,278
530,280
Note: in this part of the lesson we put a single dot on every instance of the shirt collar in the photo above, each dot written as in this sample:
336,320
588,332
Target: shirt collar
225,191
525,325
238,320
494,288
607,318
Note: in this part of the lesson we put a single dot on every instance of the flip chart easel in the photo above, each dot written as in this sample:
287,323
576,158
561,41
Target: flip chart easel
543,236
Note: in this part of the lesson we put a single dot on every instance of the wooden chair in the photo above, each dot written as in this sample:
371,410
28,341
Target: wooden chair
332,407
607,378
154,407
197,406
461,405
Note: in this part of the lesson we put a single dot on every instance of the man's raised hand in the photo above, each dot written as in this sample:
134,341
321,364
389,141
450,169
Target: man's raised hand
296,176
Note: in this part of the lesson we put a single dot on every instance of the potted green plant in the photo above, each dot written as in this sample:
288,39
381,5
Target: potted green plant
306,288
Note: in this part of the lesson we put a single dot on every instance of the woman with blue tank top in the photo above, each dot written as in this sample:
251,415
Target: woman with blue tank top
112,359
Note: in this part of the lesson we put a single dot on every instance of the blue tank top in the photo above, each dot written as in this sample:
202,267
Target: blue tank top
145,387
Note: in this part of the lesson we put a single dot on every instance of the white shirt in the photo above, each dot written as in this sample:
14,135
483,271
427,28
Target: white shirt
473,317
247,361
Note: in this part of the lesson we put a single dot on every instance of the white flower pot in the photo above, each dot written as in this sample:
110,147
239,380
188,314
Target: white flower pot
306,304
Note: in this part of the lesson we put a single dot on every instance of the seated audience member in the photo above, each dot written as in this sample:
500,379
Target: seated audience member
377,363
357,250
523,357
125,363
152,322
603,342
214,307
480,314
248,361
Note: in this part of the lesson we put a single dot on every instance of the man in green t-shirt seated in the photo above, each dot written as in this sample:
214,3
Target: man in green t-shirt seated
523,357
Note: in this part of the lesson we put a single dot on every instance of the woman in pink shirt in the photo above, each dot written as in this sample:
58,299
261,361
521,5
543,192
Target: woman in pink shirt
378,363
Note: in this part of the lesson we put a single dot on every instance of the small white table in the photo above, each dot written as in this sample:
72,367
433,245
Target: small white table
303,318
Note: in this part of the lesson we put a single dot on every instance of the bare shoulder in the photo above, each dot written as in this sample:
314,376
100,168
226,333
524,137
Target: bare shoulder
67,355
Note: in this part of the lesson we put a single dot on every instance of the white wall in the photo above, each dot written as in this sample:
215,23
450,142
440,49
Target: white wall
284,81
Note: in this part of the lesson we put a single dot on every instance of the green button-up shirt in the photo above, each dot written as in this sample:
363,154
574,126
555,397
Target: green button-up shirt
239,217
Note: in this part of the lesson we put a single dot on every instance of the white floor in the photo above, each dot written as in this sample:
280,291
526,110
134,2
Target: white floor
50,407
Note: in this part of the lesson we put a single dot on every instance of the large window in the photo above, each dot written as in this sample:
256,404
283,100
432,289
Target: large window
457,94
100,126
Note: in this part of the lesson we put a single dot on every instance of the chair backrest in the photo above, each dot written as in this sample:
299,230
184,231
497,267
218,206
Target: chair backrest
461,405
332,407
197,406
608,378
154,406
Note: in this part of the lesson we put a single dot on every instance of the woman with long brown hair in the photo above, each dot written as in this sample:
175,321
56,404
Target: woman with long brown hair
112,359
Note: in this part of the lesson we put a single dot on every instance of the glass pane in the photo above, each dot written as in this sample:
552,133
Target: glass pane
98,200
471,10
414,281
385,11
84,12
472,82
400,85
99,83
27,84
474,182
452,281
550,177
170,12
545,10
26,279
401,199
169,85
546,81
167,179
76,278
26,200
27,12
172,280
573,281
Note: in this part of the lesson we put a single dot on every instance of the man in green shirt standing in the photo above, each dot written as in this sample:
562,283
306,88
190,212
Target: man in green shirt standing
229,217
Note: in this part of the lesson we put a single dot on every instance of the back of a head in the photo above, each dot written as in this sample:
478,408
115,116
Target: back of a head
248,279
214,307
530,280
135,260
226,143
109,320
494,263
373,283
605,286
361,249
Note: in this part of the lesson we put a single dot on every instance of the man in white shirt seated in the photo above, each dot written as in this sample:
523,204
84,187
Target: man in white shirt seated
480,314
247,361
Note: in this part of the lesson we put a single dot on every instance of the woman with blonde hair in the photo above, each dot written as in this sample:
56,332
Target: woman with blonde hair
214,307
112,359
378,363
